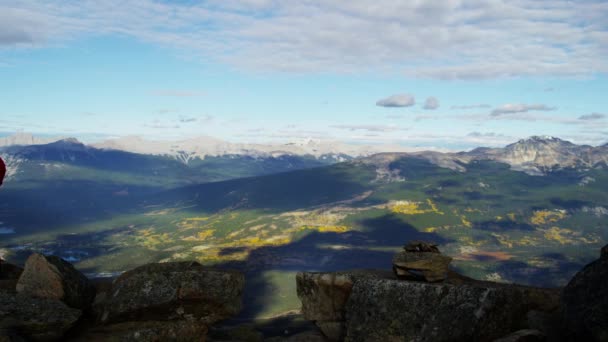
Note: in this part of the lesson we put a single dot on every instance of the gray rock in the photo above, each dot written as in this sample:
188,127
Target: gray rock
324,297
324,294
585,302
333,331
54,278
391,310
150,331
524,335
174,291
36,319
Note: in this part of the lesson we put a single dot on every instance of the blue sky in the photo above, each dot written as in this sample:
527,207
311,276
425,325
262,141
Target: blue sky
444,74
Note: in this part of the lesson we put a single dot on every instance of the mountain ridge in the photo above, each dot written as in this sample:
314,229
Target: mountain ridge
535,155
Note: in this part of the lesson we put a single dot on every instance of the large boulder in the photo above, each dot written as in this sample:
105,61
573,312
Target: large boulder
421,261
174,291
54,278
324,297
391,310
36,319
585,301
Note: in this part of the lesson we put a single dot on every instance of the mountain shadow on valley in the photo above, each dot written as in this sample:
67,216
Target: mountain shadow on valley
324,251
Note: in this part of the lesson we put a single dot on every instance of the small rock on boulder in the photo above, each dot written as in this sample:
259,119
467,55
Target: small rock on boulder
36,319
585,302
54,278
174,291
421,261
421,246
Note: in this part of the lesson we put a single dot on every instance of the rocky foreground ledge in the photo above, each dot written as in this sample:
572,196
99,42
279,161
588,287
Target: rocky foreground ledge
421,300
379,306
51,301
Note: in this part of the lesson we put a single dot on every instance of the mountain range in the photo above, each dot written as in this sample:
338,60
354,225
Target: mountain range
536,155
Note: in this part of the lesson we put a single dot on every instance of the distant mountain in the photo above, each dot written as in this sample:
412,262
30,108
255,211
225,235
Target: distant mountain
538,155
203,147
69,158
535,156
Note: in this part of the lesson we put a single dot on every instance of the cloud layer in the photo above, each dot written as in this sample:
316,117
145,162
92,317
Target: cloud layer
592,116
511,108
449,39
398,100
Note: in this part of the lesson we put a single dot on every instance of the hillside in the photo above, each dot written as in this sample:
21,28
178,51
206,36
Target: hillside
499,224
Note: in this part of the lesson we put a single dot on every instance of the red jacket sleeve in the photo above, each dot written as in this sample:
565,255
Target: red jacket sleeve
2,170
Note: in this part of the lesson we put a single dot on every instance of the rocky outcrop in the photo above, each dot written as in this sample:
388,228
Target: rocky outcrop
585,301
421,261
387,310
324,297
36,319
174,291
54,278
154,302
370,306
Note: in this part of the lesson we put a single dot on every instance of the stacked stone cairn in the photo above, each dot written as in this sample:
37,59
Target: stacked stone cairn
421,260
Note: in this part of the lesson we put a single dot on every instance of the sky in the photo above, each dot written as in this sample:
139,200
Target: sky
438,74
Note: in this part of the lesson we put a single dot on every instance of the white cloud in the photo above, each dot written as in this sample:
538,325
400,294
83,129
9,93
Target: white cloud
592,116
449,39
398,100
186,119
484,135
431,103
161,125
511,108
370,128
